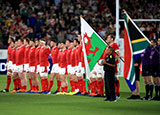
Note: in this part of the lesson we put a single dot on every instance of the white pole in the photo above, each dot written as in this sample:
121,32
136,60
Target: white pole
117,19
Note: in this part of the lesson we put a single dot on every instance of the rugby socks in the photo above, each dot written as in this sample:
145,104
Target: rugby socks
99,84
18,81
84,87
156,90
50,85
159,89
46,84
15,84
80,85
43,84
94,87
8,82
30,83
71,84
58,85
147,87
151,89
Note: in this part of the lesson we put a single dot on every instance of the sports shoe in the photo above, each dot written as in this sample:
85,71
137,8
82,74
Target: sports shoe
146,98
49,92
13,91
4,91
138,97
132,97
21,91
29,91
155,98
98,95
79,93
113,100
107,99
55,92
60,93
45,92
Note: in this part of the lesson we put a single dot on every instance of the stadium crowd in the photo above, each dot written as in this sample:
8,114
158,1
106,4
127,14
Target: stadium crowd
59,19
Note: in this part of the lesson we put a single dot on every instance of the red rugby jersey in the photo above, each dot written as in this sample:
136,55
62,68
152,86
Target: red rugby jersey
26,54
43,56
13,54
68,56
37,55
32,57
73,58
9,53
20,55
54,55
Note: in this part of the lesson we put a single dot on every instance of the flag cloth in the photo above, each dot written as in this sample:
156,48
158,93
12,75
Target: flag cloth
93,47
135,42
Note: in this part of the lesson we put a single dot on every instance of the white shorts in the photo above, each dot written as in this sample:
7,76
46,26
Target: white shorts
32,69
38,69
69,69
14,68
99,70
10,65
73,70
55,68
62,71
19,68
43,70
26,67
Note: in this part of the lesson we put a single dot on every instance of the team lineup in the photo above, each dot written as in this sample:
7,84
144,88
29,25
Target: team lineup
29,59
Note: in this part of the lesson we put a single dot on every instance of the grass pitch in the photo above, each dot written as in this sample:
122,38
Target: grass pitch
38,104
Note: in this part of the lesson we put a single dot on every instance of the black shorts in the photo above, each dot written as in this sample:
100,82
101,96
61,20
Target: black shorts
146,70
155,70
137,73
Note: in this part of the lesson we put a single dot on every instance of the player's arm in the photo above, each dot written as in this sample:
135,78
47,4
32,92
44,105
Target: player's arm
109,64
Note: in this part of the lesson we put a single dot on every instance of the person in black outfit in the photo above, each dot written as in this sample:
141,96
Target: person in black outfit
109,77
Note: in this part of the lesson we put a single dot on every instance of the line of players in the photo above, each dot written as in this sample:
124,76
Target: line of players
30,58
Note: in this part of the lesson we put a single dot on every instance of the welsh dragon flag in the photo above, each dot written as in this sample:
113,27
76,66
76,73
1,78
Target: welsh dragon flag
135,42
93,47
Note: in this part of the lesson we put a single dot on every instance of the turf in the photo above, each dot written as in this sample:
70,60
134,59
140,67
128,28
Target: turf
36,104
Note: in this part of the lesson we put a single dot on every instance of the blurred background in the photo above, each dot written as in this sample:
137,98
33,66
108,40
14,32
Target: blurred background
59,19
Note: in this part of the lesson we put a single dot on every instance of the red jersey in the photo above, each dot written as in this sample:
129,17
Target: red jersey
54,55
37,55
26,55
32,57
9,53
73,58
68,56
79,50
20,55
62,59
116,48
43,56
13,54
82,59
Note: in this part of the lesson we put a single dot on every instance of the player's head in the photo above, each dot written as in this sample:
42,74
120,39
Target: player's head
76,42
36,42
159,41
68,42
26,41
11,39
109,50
153,43
110,38
53,43
62,45
42,42
72,45
12,44
16,44
59,45
32,43
20,42
79,37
